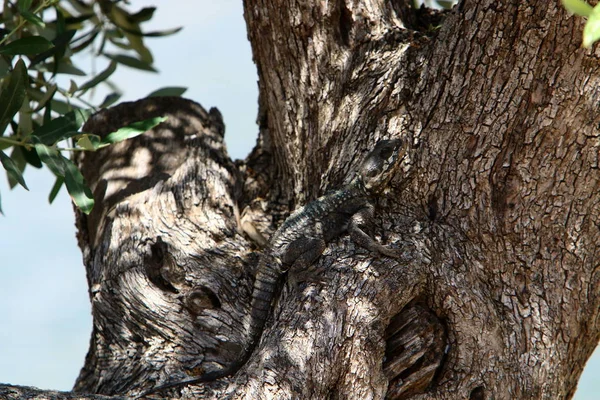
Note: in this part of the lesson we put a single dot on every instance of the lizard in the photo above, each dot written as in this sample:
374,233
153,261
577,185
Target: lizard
303,236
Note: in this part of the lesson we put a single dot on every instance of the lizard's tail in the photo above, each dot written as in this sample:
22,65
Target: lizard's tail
265,284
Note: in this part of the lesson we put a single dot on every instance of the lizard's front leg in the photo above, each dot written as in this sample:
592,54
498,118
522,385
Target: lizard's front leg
362,220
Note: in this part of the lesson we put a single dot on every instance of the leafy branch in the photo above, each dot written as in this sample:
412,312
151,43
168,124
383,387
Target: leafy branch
37,113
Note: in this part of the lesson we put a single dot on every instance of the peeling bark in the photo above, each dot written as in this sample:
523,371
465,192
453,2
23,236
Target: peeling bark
499,195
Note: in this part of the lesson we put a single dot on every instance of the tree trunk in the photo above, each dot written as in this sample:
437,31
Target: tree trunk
498,201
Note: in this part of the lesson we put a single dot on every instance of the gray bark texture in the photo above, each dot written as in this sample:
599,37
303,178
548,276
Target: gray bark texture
499,195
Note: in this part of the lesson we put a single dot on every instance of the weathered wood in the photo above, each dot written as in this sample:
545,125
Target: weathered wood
167,268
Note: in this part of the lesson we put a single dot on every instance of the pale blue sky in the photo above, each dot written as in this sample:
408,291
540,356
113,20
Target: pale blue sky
45,320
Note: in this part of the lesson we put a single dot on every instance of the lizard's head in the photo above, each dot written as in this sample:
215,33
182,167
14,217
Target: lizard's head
381,164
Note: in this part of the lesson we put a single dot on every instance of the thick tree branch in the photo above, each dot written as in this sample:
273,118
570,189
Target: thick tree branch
166,265
331,75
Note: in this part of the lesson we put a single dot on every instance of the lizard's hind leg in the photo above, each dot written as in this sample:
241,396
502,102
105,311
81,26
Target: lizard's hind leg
304,256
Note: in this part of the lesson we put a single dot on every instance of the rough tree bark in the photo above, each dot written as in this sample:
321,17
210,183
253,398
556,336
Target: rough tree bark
499,196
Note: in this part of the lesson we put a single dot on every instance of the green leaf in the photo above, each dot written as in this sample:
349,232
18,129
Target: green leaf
63,68
577,7
131,29
4,68
81,6
57,105
85,43
13,94
109,100
67,68
24,5
79,19
12,169
34,19
120,44
90,142
102,76
55,189
72,87
31,157
131,62
62,127
61,107
48,114
51,157
60,43
17,157
591,31
132,130
145,14
43,98
162,33
25,126
168,91
78,190
28,45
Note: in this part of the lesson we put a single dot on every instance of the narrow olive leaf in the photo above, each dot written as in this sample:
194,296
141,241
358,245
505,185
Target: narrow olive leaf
25,120
13,94
131,62
90,142
67,68
61,107
577,7
12,169
79,19
145,14
4,67
41,97
78,190
72,87
34,19
50,156
132,31
60,43
110,100
114,33
132,130
62,127
24,5
55,189
102,76
168,91
63,68
61,26
47,114
81,6
162,33
120,44
20,163
27,46
591,31
86,43
63,38
31,157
